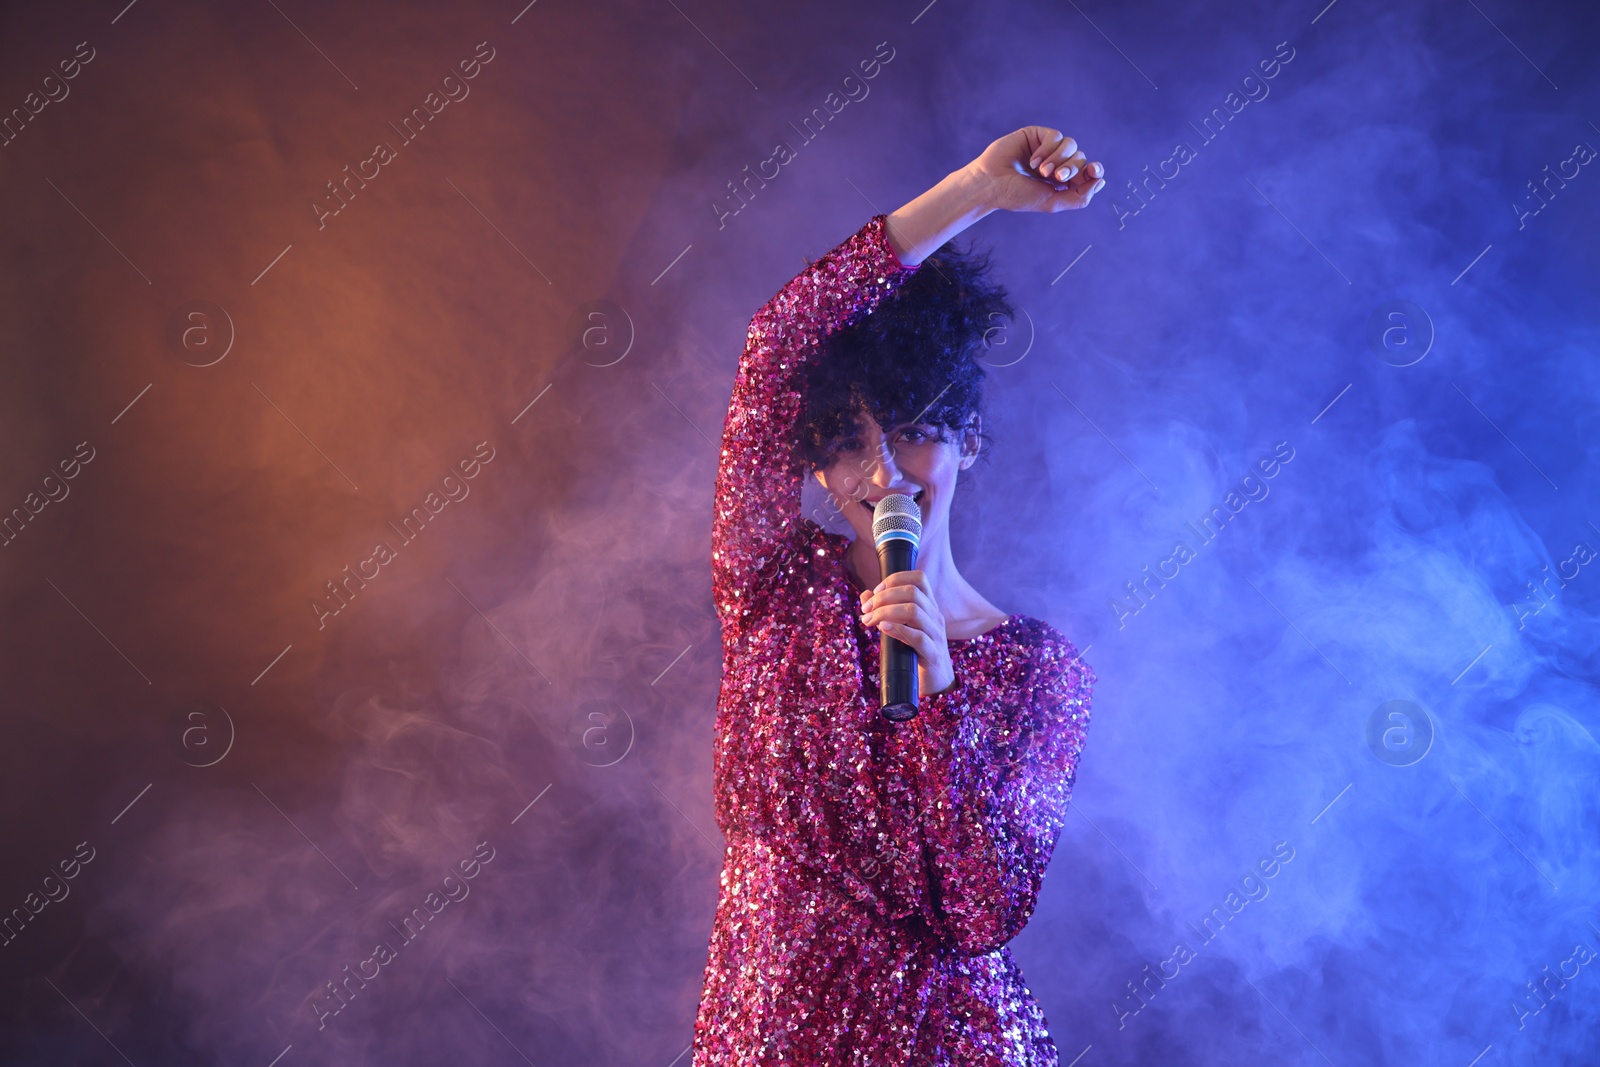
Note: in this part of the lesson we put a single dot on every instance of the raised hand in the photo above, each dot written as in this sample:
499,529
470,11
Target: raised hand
1037,168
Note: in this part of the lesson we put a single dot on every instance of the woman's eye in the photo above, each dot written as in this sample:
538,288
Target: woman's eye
915,436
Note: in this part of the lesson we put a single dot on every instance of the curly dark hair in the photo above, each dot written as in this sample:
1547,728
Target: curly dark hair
913,359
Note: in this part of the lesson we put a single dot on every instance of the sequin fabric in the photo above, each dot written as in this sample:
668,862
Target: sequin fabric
874,871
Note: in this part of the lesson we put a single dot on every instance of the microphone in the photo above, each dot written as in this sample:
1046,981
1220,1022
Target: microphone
897,532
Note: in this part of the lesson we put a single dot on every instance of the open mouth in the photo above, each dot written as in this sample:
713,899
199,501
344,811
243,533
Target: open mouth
872,508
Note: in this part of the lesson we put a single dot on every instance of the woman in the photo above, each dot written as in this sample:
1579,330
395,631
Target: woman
874,870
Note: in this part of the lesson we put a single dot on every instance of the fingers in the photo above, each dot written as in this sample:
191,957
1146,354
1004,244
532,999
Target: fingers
1044,155
1070,168
1063,169
916,577
1079,175
904,597
1053,157
902,587
1059,160
919,641
1087,173
905,600
1079,190
901,619
895,611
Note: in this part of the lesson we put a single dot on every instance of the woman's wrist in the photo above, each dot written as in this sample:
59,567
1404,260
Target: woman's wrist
918,228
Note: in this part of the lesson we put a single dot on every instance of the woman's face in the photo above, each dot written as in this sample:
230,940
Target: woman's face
910,459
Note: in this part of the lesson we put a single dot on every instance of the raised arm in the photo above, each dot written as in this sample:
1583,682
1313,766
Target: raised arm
994,791
757,507
759,478
914,826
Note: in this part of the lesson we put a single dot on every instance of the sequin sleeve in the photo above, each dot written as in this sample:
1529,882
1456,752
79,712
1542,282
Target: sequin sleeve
757,506
996,780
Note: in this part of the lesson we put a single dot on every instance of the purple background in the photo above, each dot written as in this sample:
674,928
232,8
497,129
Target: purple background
264,797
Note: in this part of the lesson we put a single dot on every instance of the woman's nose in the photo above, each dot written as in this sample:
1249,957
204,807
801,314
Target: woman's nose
884,472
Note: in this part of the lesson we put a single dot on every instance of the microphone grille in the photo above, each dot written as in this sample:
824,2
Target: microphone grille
896,515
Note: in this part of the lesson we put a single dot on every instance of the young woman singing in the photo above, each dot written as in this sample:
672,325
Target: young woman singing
875,871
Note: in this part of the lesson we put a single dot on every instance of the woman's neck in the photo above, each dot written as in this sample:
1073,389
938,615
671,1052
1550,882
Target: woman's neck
956,598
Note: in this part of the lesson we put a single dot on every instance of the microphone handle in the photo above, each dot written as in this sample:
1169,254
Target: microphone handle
897,661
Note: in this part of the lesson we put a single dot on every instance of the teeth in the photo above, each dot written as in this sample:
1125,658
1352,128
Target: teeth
872,505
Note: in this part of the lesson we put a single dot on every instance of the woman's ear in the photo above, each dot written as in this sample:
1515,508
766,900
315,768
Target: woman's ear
971,442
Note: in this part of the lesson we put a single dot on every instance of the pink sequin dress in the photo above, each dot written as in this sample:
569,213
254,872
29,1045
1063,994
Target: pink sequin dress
874,871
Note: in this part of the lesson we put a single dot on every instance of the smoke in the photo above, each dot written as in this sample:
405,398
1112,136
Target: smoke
1330,349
